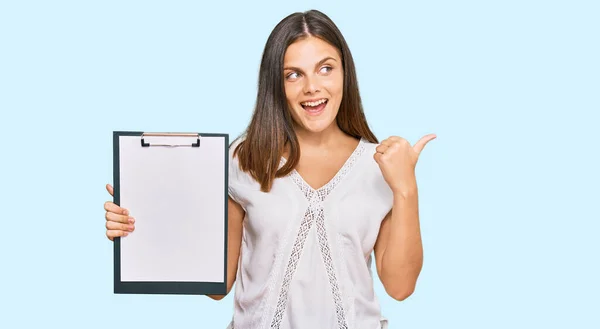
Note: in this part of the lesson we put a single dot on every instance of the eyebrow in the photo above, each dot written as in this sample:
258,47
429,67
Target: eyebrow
318,64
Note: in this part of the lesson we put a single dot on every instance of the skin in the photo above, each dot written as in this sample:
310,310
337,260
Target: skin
399,249
312,70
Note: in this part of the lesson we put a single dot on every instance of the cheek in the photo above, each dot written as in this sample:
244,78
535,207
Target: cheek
336,85
292,94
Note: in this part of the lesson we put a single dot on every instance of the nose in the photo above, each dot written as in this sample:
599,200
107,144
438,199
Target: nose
311,84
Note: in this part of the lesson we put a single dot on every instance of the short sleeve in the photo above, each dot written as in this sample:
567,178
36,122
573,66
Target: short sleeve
237,178
379,190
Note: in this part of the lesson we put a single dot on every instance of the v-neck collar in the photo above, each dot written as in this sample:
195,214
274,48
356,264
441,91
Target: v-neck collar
330,185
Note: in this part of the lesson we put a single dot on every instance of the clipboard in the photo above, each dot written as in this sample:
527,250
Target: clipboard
175,186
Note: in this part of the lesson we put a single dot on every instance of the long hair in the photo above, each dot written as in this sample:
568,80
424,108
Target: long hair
271,126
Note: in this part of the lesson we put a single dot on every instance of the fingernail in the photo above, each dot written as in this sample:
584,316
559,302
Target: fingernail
131,220
125,234
125,212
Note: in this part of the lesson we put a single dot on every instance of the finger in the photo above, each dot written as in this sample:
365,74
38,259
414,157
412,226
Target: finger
396,140
119,226
110,190
387,142
377,157
422,142
112,207
112,217
381,148
111,234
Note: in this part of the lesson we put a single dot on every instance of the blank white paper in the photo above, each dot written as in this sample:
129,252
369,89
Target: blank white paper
177,196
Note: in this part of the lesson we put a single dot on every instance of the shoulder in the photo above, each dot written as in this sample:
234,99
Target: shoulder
232,150
367,160
236,174
234,163
240,183
369,145
364,163
370,173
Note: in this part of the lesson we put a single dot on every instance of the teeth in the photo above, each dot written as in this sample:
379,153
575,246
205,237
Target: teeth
321,101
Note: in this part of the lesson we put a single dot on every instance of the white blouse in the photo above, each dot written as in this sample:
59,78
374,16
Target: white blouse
305,258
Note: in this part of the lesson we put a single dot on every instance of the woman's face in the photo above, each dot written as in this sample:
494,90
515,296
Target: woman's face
314,81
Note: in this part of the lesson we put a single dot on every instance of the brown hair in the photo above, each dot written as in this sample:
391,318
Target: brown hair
271,126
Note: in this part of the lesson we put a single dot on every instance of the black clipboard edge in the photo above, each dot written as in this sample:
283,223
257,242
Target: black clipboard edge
165,287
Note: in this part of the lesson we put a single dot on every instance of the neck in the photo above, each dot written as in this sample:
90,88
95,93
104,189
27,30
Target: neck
330,136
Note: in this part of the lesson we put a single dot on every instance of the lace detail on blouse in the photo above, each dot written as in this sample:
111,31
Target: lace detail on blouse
292,264
315,214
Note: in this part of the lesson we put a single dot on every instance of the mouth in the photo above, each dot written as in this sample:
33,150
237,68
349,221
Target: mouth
315,107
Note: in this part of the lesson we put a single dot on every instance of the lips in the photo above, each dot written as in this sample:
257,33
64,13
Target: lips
313,103
315,107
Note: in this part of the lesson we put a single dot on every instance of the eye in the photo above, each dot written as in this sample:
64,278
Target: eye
326,69
292,76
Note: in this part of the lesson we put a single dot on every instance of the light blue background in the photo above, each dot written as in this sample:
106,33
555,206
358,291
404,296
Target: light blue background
508,191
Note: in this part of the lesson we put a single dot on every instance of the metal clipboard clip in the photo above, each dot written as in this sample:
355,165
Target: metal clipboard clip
197,144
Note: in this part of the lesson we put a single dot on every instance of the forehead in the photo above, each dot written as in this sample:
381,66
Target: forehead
308,51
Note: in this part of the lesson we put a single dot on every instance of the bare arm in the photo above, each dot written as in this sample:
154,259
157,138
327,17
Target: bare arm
235,219
399,250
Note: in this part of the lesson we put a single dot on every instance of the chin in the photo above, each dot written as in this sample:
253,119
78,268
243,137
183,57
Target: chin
315,130
318,126
315,123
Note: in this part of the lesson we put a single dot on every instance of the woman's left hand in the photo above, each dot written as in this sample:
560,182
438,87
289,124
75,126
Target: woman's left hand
397,160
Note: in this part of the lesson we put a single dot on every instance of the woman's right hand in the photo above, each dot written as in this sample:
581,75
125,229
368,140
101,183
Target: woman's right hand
118,221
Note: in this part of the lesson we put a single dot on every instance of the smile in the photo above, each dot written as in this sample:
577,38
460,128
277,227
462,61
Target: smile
315,107
315,103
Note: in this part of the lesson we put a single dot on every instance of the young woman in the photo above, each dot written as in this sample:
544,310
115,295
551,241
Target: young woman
312,193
